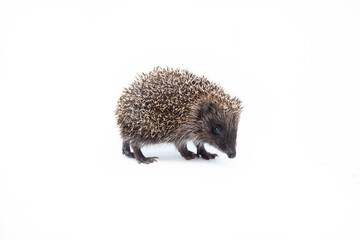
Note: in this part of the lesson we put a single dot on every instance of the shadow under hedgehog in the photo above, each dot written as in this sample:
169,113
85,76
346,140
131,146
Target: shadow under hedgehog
170,105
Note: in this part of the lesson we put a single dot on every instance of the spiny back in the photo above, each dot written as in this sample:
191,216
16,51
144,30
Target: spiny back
159,102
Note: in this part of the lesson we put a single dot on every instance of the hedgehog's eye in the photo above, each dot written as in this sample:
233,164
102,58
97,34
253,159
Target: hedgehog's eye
216,130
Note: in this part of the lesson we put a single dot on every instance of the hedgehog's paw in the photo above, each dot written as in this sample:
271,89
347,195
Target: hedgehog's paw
139,156
147,160
203,153
188,155
207,155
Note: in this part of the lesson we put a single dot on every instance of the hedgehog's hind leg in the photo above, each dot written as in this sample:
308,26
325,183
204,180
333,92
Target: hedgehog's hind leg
126,150
204,154
188,155
140,157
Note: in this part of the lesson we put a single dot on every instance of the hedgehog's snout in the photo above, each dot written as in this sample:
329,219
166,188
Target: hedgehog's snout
231,154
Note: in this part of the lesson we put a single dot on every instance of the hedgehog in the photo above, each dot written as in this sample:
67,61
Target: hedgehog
170,105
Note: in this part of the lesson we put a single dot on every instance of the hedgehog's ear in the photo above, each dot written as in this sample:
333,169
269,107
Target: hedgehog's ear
206,108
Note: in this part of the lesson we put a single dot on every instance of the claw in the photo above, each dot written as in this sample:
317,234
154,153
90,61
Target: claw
147,160
189,155
208,156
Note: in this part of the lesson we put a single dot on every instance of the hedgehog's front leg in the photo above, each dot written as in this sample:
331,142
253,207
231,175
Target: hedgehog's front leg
204,154
140,157
188,155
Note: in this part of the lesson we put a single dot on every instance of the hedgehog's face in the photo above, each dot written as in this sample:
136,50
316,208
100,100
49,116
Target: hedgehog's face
219,128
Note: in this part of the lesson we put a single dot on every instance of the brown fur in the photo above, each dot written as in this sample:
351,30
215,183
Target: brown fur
176,106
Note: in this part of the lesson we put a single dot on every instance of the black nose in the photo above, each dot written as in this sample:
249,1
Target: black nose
231,154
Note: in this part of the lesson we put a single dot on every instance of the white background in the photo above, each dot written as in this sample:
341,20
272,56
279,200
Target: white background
295,65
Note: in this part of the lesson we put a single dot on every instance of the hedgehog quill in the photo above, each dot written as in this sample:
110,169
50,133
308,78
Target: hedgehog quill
170,105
